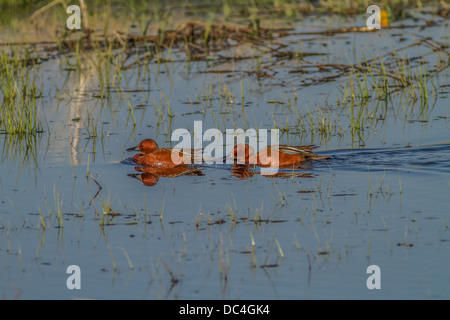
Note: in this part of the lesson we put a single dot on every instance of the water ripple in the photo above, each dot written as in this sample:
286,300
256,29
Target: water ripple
429,158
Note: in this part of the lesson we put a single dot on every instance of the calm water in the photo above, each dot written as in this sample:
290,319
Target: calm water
381,199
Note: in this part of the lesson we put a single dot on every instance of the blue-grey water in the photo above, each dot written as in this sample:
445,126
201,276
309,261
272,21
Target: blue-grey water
382,198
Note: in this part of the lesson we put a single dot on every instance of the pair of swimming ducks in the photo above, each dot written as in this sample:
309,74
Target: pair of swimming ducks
288,156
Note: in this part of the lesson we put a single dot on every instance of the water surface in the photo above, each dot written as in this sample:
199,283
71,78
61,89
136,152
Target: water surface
381,199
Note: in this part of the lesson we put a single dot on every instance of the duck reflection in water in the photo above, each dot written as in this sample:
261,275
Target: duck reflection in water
245,171
149,176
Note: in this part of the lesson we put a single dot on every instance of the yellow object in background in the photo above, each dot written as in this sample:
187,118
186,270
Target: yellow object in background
384,18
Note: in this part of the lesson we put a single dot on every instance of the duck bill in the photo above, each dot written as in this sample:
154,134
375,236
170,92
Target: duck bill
135,175
133,149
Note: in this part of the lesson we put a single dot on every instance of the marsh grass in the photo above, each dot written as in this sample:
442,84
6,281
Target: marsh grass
392,85
130,264
367,84
54,212
20,150
108,214
19,112
369,94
